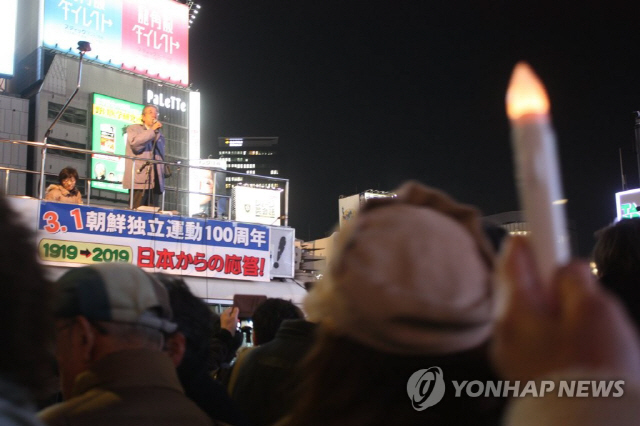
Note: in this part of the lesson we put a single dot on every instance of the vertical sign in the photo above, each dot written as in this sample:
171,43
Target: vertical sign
156,33
110,119
98,22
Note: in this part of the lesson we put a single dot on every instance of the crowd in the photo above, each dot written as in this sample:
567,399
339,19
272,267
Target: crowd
422,308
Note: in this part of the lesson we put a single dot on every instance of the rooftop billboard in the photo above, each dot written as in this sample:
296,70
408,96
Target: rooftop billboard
146,37
8,36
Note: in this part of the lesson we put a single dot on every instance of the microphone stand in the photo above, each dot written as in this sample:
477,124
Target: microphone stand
83,47
151,168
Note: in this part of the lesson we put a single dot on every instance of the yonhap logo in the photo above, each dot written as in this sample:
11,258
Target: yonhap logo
426,388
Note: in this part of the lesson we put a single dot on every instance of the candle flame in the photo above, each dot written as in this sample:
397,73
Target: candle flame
526,94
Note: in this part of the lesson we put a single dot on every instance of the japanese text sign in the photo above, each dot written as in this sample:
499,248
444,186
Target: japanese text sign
169,244
147,37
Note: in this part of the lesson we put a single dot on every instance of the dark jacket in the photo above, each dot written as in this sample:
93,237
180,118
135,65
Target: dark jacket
212,398
265,385
140,144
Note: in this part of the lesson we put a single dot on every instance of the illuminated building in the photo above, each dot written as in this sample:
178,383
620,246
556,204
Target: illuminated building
251,155
139,56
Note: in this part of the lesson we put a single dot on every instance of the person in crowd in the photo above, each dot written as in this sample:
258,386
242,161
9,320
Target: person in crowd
617,258
410,288
190,349
269,315
145,142
111,324
263,385
573,330
65,191
266,318
26,314
226,338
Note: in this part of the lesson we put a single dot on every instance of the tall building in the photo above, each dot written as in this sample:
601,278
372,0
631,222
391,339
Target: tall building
253,156
515,224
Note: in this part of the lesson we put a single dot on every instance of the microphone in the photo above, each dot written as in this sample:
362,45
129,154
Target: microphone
278,218
156,131
144,166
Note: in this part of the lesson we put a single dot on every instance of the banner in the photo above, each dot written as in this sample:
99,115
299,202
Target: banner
110,118
146,37
73,235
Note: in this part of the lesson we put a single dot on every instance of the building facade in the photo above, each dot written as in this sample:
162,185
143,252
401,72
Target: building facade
47,74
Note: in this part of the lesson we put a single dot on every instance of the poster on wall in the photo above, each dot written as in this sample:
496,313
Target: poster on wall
147,37
110,118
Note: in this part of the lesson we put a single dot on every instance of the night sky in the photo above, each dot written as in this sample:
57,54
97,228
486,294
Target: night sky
365,95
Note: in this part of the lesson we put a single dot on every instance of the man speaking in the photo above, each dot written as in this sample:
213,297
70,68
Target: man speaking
145,141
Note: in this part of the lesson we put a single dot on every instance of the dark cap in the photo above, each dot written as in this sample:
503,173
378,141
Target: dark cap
114,292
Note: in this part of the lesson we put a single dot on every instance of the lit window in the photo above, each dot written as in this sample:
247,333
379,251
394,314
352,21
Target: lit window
274,172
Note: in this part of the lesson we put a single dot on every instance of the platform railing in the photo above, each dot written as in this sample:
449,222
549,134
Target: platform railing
7,171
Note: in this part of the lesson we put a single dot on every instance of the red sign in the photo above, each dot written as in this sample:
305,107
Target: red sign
155,33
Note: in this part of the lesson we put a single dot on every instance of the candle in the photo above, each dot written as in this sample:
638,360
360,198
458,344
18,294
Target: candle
537,170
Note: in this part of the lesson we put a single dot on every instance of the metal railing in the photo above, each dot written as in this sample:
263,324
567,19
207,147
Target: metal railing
177,165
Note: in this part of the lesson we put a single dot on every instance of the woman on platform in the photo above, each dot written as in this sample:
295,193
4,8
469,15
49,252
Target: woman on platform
66,191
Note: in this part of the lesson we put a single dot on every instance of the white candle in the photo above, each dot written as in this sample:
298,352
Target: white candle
537,170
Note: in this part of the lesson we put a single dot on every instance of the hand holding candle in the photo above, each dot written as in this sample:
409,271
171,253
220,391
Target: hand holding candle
537,170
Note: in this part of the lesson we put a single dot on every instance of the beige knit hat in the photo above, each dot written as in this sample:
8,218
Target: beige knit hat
412,275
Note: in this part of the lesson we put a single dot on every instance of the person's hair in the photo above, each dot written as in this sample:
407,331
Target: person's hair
269,315
371,387
25,306
617,258
66,173
195,321
151,106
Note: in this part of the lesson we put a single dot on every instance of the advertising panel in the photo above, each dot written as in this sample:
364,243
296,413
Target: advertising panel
172,102
627,203
146,37
75,235
256,205
110,118
283,252
8,19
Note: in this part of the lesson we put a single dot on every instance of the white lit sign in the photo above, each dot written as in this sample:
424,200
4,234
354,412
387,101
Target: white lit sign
256,205
168,102
8,19
202,181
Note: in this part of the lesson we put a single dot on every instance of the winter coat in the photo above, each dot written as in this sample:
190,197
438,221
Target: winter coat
59,194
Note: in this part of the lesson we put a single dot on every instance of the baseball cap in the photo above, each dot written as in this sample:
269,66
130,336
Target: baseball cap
114,292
